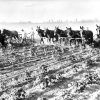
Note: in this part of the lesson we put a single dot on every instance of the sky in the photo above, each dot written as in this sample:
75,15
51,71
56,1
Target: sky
43,10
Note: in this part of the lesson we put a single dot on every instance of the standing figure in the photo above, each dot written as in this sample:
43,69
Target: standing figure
98,31
32,34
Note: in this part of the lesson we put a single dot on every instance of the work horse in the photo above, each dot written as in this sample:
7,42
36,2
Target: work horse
74,36
11,34
62,34
3,40
40,33
87,35
50,35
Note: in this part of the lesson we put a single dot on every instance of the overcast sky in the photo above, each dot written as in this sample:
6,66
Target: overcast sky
43,10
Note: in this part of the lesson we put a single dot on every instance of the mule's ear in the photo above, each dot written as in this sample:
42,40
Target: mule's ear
66,27
80,27
97,25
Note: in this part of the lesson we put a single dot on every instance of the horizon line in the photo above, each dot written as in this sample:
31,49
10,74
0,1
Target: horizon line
53,21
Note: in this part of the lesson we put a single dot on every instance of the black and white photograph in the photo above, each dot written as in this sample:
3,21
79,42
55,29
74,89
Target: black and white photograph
49,50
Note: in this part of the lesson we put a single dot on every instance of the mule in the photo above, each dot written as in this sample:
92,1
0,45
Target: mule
50,35
62,34
87,35
74,36
41,34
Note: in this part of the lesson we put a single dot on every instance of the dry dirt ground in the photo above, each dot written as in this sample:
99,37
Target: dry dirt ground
71,67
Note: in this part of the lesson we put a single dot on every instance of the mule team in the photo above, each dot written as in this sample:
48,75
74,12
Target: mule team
77,37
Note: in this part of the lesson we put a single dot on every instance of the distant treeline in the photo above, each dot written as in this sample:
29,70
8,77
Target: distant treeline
51,21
